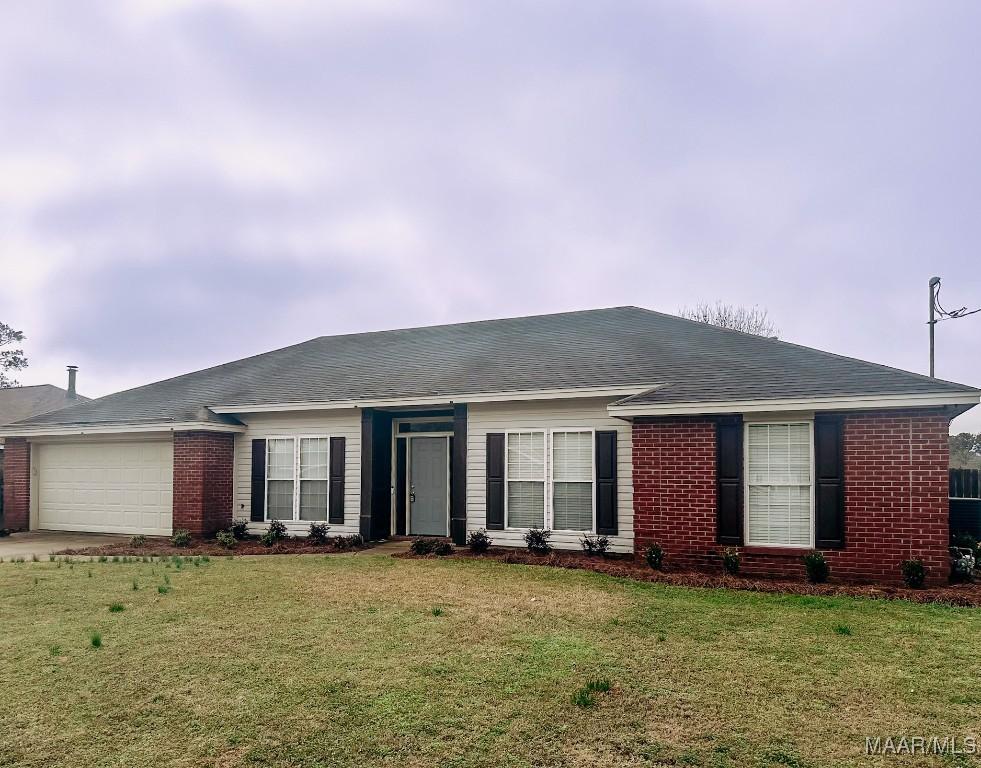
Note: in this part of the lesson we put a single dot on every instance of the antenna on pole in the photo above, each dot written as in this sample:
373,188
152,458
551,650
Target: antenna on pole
934,287
937,309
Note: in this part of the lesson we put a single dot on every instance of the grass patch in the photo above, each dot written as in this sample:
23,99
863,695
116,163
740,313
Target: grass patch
116,608
337,661
843,629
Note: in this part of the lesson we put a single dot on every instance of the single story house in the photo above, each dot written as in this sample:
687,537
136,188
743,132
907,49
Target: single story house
17,403
624,422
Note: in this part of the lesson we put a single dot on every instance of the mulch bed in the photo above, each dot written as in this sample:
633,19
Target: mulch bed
210,547
968,595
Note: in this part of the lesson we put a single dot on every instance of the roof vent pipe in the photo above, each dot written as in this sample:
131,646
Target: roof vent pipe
71,395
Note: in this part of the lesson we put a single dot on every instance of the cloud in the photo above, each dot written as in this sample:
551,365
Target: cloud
184,183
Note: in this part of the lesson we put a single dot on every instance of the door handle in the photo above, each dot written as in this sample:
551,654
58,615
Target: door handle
412,494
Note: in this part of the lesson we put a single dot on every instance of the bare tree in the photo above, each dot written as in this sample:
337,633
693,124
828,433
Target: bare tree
10,359
754,320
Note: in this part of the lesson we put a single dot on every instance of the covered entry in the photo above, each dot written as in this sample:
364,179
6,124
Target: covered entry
413,472
106,487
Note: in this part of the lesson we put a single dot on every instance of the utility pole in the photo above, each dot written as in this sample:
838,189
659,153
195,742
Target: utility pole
936,308
934,282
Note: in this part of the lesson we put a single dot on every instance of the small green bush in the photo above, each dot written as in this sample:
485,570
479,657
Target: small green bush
430,546
595,545
318,533
240,529
537,541
138,541
226,539
274,533
654,556
96,640
437,611
181,538
816,567
730,560
341,543
163,589
116,608
914,573
478,541
962,564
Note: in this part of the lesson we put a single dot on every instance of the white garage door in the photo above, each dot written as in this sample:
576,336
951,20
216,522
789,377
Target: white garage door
106,487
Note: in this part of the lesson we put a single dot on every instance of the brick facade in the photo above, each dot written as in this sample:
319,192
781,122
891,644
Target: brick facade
203,466
16,484
896,503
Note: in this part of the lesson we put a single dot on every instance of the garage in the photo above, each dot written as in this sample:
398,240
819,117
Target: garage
106,487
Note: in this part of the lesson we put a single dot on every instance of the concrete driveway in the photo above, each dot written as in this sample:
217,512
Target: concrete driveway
47,542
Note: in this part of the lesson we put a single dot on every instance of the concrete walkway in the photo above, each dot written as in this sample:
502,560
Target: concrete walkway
44,543
387,548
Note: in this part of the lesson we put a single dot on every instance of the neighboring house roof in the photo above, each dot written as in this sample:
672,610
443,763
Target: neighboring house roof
678,360
17,403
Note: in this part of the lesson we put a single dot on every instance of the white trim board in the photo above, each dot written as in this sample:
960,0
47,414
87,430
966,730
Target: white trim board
115,429
849,403
439,400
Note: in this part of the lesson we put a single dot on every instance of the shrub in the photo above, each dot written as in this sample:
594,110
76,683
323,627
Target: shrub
478,541
163,589
318,533
4,532
594,545
181,538
730,560
914,573
274,533
240,529
426,546
537,541
816,567
226,539
654,556
354,541
962,564
138,541
96,640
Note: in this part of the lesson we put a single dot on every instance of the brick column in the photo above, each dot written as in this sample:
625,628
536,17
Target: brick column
203,464
16,484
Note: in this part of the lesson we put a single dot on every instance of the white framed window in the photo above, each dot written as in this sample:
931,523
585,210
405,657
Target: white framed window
297,477
780,484
524,479
549,479
572,490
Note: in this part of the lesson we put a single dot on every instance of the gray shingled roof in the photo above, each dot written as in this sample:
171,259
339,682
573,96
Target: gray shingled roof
18,403
691,362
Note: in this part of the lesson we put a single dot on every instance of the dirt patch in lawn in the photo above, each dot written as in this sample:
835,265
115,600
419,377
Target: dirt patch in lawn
163,547
968,595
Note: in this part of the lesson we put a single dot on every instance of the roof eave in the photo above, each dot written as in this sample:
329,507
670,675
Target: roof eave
961,400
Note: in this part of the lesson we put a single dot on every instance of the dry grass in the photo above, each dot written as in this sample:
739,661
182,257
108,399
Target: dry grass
344,661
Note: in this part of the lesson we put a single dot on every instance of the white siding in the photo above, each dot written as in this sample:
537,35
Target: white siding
346,424
502,417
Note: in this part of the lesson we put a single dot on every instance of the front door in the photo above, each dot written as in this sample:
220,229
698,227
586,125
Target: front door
428,491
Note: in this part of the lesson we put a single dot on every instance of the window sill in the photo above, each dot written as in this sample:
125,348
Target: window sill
757,549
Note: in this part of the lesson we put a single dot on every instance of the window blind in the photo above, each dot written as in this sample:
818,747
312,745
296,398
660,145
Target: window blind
778,475
526,479
572,481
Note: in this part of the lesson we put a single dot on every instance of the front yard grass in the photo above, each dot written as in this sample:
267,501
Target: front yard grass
368,660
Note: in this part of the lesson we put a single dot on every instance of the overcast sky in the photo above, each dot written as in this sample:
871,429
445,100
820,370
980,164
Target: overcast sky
185,183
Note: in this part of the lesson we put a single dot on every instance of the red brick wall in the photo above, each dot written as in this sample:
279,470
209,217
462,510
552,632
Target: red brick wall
16,484
203,465
896,502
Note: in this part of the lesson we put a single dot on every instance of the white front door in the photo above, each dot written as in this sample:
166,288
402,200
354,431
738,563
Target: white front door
109,487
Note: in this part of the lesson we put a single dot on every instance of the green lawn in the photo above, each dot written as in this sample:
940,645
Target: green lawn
367,660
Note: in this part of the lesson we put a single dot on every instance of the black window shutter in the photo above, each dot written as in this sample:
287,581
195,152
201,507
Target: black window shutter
729,477
495,481
258,481
606,483
335,497
829,471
